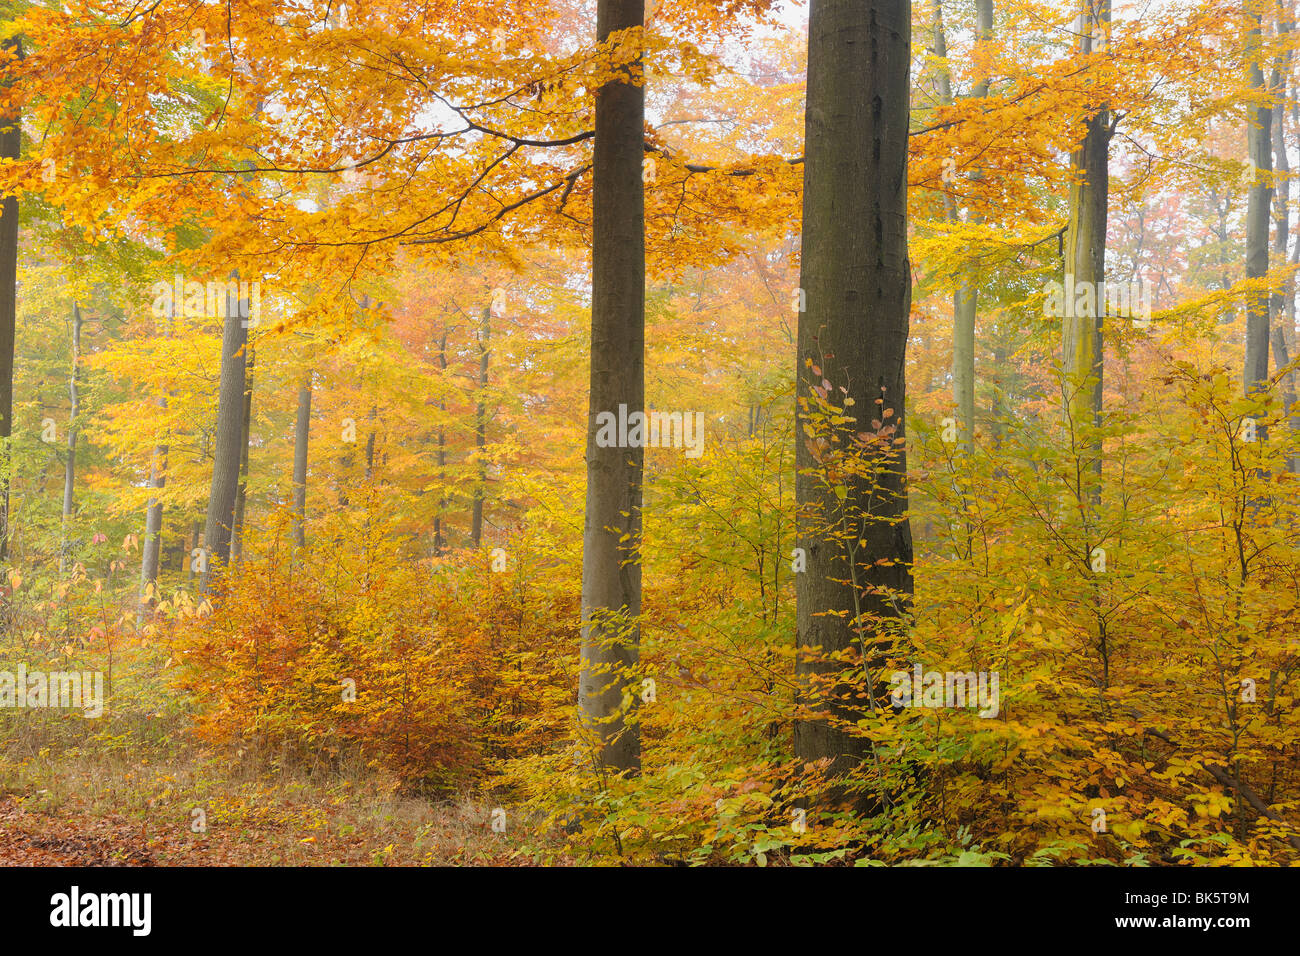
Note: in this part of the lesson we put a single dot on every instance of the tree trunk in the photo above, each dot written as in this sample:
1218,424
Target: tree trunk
857,281
438,541
241,493
940,41
480,430
11,139
226,447
1082,342
196,533
611,536
1283,305
152,544
70,470
966,300
370,445
301,434
1225,260
1260,149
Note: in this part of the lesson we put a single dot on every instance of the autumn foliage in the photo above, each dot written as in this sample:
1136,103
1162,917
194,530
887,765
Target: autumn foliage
410,185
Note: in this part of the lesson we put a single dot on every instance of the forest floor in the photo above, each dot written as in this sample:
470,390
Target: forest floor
78,811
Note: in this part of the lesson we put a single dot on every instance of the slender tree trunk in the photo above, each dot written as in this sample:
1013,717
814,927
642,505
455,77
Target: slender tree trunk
370,445
965,302
480,430
1260,150
11,139
346,462
226,448
152,544
940,41
997,409
611,538
70,470
241,493
1283,305
301,434
857,281
966,299
438,541
1225,260
196,538
1085,258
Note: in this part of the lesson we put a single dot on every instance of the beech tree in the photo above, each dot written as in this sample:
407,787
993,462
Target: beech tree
1259,146
611,536
246,425
70,466
1085,249
301,435
227,448
1283,311
966,298
480,428
11,141
852,343
151,543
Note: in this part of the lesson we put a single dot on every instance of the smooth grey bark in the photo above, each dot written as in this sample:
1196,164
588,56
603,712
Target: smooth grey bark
348,458
1083,323
611,536
438,540
1259,148
1283,305
480,429
11,139
346,462
996,409
940,41
196,536
856,278
1082,341
226,446
965,303
70,467
370,445
246,424
301,435
1221,207
965,309
152,544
